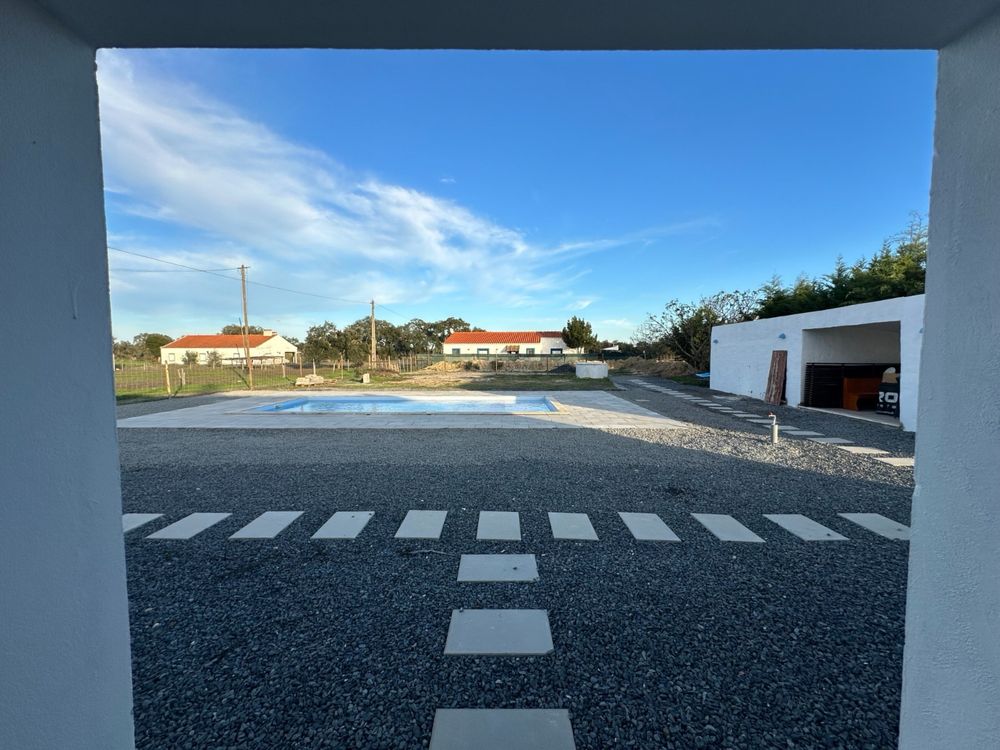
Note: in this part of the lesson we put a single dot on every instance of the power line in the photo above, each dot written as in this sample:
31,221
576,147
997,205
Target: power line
215,272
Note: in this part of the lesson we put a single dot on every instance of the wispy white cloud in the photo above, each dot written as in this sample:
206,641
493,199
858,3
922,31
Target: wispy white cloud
580,304
236,189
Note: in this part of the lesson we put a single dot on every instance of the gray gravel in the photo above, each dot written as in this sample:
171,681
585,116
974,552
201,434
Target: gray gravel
295,643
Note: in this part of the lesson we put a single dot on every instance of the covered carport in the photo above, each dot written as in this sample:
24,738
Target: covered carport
65,637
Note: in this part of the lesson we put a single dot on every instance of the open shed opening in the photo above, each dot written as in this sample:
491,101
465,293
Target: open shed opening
845,367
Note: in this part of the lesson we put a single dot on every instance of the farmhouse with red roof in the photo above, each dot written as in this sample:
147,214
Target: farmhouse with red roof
527,343
265,348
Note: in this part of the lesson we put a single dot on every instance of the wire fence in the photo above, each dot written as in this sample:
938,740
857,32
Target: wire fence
147,379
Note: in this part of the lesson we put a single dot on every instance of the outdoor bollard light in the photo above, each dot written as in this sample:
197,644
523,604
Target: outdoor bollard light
774,429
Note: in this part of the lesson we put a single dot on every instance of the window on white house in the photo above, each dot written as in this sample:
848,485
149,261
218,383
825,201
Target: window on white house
170,356
529,351
555,352
456,350
483,352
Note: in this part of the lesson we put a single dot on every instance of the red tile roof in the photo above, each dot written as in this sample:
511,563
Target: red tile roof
500,337
217,341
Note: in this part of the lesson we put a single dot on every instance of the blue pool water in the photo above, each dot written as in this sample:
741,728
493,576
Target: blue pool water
405,405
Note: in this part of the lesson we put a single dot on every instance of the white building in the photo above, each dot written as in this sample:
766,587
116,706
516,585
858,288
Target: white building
528,343
265,348
833,355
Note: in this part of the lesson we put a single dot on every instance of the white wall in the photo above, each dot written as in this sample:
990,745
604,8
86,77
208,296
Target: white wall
741,359
951,661
65,672
545,346
272,348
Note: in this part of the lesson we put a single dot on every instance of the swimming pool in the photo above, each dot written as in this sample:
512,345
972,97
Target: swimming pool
412,405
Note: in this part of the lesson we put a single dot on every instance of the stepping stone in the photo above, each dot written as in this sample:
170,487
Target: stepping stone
188,526
267,525
499,524
572,526
648,527
726,528
135,520
896,461
860,450
803,433
502,729
805,528
344,524
879,524
499,632
422,524
485,568
744,415
760,421
831,440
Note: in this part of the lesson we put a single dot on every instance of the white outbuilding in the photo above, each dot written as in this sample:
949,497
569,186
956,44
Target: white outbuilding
836,359
265,348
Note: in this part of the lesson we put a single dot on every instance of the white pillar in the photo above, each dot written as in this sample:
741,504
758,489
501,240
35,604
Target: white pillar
951,662
65,673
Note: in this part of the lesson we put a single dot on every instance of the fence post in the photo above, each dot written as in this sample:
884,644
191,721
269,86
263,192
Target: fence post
166,372
183,378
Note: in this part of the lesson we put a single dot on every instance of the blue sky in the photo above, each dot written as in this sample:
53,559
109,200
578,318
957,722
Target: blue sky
512,189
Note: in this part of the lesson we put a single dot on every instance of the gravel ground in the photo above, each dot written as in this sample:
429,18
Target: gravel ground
294,643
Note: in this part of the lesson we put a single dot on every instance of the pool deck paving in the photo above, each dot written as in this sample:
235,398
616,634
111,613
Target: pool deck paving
575,409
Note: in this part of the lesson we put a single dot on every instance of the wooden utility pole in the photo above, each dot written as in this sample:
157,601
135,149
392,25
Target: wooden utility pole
373,353
246,326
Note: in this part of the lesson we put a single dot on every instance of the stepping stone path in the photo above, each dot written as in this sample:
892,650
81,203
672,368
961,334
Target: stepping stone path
643,527
785,429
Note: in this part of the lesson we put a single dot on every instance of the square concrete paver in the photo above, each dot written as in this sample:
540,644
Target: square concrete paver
879,524
422,524
805,528
896,460
499,632
860,450
572,526
648,527
188,526
831,440
267,525
135,520
486,568
502,729
499,524
345,524
726,528
804,433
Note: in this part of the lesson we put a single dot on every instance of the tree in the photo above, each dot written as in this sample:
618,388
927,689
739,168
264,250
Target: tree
685,328
148,345
190,357
579,334
322,342
897,270
213,359
235,329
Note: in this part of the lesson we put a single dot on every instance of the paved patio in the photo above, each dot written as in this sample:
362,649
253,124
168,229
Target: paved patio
576,409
